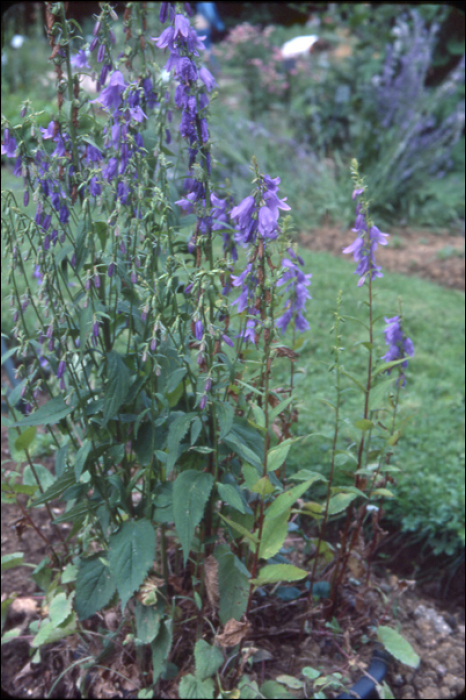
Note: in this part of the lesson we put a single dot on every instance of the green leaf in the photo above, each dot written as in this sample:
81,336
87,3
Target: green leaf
305,474
274,532
398,646
49,633
50,412
192,687
389,365
60,608
273,573
364,424
63,482
86,318
190,493
9,561
160,649
176,432
117,387
358,384
241,529
81,457
263,486
131,553
231,495
225,415
174,379
147,622
24,440
46,479
340,502
94,586
233,585
9,353
279,409
285,500
277,456
378,393
208,659
274,691
243,451
258,413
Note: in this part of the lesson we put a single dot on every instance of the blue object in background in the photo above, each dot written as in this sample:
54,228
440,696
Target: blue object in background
208,11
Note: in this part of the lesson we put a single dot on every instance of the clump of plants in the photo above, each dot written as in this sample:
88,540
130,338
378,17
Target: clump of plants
151,325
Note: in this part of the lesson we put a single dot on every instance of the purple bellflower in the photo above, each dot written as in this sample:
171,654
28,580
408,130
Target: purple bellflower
364,246
399,345
296,282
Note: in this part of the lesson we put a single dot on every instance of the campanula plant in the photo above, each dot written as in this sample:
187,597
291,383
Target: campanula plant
152,327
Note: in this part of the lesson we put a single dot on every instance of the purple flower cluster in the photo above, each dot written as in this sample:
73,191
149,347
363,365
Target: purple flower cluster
399,345
296,282
263,219
365,245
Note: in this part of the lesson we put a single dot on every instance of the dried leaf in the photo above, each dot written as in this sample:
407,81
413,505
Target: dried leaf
233,633
211,581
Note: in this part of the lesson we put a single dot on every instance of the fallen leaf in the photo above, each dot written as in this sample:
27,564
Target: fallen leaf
233,633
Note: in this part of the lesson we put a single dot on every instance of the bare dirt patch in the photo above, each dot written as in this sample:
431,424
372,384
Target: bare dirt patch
437,257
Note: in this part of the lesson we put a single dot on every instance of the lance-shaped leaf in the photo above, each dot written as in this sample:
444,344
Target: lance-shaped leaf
131,553
273,573
286,500
190,493
274,532
233,584
117,386
51,412
398,646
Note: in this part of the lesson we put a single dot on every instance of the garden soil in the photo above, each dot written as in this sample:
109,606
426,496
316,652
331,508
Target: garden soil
434,625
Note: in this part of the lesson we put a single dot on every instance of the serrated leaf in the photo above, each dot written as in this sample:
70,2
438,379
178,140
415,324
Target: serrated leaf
208,659
286,500
243,451
46,479
231,495
50,412
277,456
49,633
60,608
24,440
225,415
176,432
192,687
160,649
65,481
398,646
94,586
274,532
131,553
233,585
174,379
147,622
386,493
117,387
191,490
273,573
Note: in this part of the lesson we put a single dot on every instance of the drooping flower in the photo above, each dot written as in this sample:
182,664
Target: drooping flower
296,282
399,345
365,245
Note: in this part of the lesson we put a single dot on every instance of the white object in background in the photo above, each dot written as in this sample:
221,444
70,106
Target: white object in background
17,41
299,45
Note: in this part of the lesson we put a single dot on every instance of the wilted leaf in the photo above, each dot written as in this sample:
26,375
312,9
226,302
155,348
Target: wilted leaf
233,633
